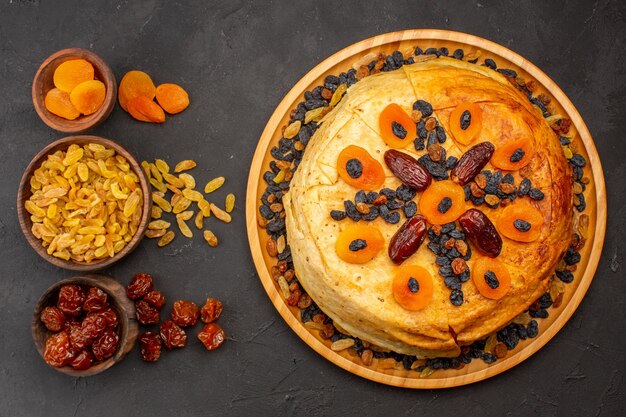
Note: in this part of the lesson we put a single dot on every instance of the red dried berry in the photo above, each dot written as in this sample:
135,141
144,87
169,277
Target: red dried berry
146,314
150,346
93,325
82,361
185,313
211,336
71,299
53,318
172,335
293,299
96,300
140,285
211,310
105,346
57,350
155,299
110,316
79,338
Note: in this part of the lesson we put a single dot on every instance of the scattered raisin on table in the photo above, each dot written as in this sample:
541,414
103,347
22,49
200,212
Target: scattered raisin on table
146,314
53,318
172,335
211,336
185,313
105,346
140,285
155,299
150,346
71,299
211,310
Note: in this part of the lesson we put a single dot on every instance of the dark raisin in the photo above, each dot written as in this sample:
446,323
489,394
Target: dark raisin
397,58
507,72
413,285
338,215
442,261
371,215
418,51
405,193
582,205
422,132
452,282
423,106
394,204
443,51
457,234
419,144
521,225
357,245
466,119
508,179
446,271
438,171
351,210
489,358
517,155
492,280
444,205
564,141
435,248
371,196
389,193
458,54
451,162
410,208
536,194
354,168
571,257
533,329
275,225
524,187
432,137
441,134
331,79
447,228
578,160
360,197
565,276
490,63
392,218
456,297
430,51
266,212
398,130
541,313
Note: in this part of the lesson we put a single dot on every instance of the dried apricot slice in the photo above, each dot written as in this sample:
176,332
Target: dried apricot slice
357,168
513,155
135,83
520,222
58,102
144,109
412,287
172,97
396,127
358,244
88,96
491,278
71,73
466,122
442,202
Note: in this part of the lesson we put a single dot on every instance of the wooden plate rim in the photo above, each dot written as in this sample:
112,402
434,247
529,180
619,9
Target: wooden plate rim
257,251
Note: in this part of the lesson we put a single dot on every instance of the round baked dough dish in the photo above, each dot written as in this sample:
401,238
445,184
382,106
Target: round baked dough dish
452,107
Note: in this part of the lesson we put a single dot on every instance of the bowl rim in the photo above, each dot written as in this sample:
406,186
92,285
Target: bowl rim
82,123
128,328
24,216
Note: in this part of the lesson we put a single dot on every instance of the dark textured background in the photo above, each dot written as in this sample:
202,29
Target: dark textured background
237,59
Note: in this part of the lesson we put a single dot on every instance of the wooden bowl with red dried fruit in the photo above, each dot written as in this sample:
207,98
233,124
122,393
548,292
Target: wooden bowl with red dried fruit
84,325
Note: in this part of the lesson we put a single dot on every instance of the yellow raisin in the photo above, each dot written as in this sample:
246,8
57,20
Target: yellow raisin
214,184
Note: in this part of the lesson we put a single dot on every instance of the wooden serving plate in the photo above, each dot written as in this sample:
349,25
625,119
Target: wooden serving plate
595,195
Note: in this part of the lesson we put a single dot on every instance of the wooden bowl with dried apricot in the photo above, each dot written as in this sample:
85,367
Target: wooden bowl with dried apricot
84,203
74,90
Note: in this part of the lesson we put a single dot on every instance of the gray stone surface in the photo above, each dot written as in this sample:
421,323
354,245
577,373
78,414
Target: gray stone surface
237,59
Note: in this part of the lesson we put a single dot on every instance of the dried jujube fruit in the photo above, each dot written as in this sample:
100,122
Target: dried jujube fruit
358,244
407,239
172,97
53,318
211,336
472,162
71,299
155,299
96,300
211,310
481,232
71,73
185,313
407,169
105,346
57,350
396,127
139,286
150,346
87,97
146,314
82,361
412,287
172,335
58,102
135,84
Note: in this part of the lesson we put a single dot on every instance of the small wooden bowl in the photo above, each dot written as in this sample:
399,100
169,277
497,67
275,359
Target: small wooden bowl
24,193
123,306
43,82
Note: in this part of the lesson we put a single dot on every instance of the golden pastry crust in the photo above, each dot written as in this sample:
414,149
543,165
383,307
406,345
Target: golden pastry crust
359,297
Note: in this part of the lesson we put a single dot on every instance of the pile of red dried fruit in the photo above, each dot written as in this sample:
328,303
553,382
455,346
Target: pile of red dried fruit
148,303
85,328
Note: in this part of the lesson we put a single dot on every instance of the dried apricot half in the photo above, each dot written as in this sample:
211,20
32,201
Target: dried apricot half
58,102
491,278
357,168
520,222
71,73
412,287
514,155
88,96
396,127
172,97
358,244
133,84
442,202
466,122
144,109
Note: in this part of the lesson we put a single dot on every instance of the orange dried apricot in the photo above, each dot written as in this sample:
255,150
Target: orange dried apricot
357,168
358,244
71,73
145,110
396,127
520,222
442,202
58,102
513,155
172,97
412,287
466,122
491,278
133,84
88,96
